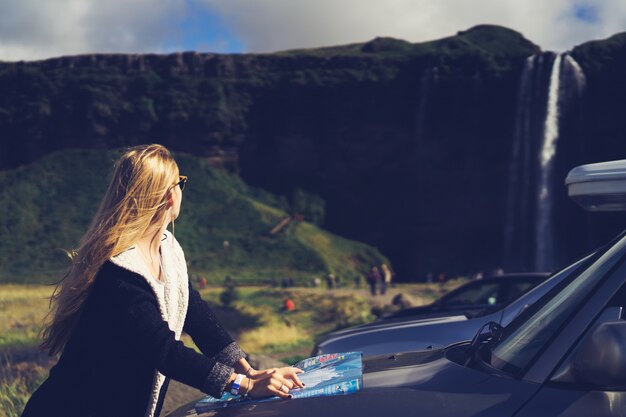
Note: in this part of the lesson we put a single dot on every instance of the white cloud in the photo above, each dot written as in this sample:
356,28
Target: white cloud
35,29
269,25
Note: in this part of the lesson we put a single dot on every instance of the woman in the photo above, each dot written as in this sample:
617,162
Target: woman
119,313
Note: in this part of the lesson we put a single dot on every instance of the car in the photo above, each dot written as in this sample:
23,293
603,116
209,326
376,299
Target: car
407,333
477,297
563,356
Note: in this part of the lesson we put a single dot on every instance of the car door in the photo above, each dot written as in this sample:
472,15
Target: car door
562,393
571,398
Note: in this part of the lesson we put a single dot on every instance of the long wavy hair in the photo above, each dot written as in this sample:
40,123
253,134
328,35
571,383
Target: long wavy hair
135,201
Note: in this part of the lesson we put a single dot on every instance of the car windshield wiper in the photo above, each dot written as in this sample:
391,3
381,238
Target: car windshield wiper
493,333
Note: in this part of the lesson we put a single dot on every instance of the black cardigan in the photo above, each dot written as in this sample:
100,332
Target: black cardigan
107,366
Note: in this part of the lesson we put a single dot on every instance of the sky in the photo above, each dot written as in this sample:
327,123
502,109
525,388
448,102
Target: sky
36,29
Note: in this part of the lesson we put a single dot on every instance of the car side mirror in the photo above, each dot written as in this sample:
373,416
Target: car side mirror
600,359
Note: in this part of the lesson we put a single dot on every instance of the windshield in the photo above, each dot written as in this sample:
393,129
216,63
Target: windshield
525,339
481,293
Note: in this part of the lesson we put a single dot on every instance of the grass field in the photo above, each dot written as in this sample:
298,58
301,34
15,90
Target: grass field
256,319
225,225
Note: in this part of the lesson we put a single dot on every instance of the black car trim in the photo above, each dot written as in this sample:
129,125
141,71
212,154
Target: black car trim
519,320
552,354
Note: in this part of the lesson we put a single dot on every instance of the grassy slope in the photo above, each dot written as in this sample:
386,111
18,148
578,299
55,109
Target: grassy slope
47,205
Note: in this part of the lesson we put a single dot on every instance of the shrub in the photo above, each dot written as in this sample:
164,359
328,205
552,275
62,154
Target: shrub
343,311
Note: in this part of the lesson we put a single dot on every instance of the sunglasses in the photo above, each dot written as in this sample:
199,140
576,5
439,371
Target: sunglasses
182,181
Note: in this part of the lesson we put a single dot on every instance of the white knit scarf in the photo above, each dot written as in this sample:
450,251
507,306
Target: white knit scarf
173,299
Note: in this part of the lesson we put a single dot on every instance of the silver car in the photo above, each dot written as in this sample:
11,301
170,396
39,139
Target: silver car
402,335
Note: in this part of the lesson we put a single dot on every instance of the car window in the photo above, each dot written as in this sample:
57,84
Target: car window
619,299
480,293
518,288
524,302
523,341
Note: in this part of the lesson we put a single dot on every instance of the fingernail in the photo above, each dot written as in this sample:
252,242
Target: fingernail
290,396
303,384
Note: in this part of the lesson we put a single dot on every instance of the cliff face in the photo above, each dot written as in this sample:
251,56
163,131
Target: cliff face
409,144
412,155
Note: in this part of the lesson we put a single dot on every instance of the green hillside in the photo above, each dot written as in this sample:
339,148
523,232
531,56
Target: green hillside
224,225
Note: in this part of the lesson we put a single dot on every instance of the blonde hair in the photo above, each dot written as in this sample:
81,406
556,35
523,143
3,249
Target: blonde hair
135,200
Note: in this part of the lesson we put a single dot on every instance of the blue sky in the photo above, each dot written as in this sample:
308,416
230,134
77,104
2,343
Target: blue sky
587,13
203,30
35,29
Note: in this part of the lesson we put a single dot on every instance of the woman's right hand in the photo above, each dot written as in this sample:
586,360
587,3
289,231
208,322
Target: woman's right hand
271,382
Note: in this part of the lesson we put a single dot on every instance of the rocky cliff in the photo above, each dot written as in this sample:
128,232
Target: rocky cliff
409,144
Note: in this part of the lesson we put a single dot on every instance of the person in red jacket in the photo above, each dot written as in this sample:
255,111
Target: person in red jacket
289,305
119,313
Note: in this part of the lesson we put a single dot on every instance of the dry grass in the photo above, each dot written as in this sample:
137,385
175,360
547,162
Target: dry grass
22,311
17,382
274,338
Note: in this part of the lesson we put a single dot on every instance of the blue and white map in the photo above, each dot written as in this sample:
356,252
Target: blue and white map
324,375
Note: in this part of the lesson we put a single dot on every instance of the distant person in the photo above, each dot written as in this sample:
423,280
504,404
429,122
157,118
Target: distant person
289,305
386,278
429,277
373,279
202,282
119,313
316,282
330,281
442,280
337,283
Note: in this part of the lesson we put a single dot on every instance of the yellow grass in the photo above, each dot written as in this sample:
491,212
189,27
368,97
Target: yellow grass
273,338
22,311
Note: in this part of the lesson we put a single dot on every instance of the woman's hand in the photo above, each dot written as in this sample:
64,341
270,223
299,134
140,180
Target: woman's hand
275,381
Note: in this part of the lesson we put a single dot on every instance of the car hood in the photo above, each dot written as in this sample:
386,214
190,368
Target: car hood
379,329
439,310
400,322
424,383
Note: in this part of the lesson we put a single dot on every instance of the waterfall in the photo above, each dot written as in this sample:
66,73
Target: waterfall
544,236
548,82
428,80
577,73
518,195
